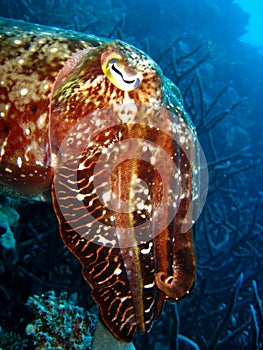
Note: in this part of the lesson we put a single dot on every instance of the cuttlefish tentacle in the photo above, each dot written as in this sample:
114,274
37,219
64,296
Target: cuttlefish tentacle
180,283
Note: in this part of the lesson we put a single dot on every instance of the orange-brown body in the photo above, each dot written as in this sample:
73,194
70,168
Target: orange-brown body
67,101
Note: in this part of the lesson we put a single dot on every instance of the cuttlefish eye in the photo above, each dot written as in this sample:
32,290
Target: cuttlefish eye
118,73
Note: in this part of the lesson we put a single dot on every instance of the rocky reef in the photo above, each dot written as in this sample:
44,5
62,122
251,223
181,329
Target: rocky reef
59,323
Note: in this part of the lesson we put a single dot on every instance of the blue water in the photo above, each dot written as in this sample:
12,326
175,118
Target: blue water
254,33
227,41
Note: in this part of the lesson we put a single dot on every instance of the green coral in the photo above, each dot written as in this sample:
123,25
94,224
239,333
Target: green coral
9,340
59,323
8,217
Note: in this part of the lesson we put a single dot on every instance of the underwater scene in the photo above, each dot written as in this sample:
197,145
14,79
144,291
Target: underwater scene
131,174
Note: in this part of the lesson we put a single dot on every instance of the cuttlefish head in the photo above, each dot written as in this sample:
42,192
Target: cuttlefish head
114,73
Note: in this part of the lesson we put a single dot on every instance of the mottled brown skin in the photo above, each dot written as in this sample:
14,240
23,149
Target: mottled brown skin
31,57
51,80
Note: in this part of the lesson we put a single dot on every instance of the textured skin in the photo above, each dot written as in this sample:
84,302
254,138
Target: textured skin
52,82
31,57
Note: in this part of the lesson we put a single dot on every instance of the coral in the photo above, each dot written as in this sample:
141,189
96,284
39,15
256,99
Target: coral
8,217
59,323
9,340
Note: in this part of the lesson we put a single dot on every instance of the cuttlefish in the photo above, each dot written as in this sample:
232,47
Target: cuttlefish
95,123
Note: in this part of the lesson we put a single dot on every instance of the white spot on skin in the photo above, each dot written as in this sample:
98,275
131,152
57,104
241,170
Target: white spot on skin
147,250
150,285
81,166
27,131
106,196
19,162
105,241
149,208
117,271
153,160
41,122
54,49
2,150
17,41
53,160
37,162
140,206
78,135
23,92
80,197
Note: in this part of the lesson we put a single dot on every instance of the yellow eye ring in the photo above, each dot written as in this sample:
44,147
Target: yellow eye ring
118,74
